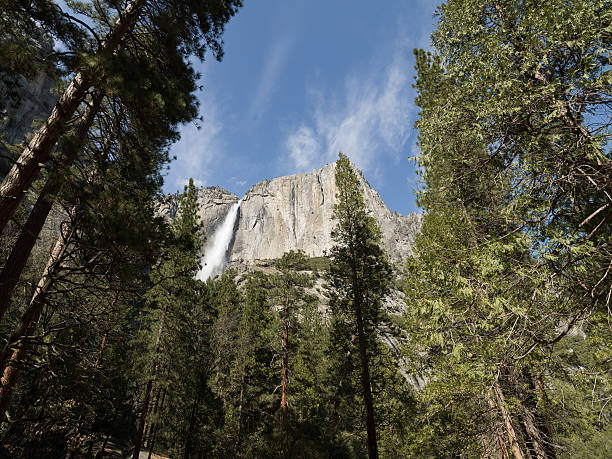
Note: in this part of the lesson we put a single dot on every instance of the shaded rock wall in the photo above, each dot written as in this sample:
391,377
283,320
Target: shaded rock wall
36,102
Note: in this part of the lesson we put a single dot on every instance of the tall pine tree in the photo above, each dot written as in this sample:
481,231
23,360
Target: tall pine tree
514,252
359,275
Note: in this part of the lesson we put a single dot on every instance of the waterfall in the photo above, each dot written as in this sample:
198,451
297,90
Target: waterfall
215,252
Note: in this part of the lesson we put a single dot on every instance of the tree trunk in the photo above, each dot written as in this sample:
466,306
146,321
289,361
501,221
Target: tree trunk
100,453
36,219
151,443
101,351
10,358
143,418
365,368
147,425
365,386
534,440
283,413
501,403
38,150
192,425
146,437
9,379
147,397
499,445
241,401
536,430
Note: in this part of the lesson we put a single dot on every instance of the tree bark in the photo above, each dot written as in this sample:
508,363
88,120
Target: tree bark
283,413
36,219
365,386
535,442
147,426
151,442
499,445
192,425
143,418
38,150
501,403
365,369
146,437
15,348
147,397
536,430
102,347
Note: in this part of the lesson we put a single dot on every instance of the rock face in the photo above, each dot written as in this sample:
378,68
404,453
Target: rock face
214,205
35,96
37,100
295,213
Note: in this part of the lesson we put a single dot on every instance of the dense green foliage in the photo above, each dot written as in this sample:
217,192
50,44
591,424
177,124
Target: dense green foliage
515,248
108,340
359,275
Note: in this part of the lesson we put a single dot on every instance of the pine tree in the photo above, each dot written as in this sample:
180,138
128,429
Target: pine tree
168,84
26,44
359,275
173,298
515,188
194,28
245,347
108,240
289,297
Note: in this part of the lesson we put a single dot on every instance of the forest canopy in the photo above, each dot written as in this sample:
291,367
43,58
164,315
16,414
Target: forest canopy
491,340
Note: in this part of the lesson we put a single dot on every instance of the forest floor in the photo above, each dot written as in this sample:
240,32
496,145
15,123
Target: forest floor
118,449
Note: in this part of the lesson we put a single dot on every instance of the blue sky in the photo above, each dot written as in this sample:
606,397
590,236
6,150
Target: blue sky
302,80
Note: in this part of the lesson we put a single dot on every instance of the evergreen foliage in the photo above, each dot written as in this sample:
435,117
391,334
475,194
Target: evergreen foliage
108,338
359,275
514,251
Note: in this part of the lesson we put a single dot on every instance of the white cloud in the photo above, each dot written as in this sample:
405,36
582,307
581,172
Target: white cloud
374,118
304,147
268,78
197,149
238,181
185,182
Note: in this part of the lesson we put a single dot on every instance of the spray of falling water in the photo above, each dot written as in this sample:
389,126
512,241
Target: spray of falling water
214,259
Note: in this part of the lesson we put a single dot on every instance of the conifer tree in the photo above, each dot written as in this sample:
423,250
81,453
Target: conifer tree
245,377
194,28
139,76
290,296
173,298
88,244
102,252
359,275
514,105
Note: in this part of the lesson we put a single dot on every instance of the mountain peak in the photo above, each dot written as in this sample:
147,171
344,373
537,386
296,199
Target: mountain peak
294,212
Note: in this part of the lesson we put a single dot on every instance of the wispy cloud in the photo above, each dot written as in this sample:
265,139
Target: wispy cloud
196,182
304,147
239,182
374,117
269,77
197,149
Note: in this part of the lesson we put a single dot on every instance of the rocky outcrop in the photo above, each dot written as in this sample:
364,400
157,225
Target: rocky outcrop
214,205
36,99
22,103
25,100
295,213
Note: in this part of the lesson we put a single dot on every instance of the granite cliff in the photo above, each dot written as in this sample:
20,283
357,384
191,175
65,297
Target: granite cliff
295,213
36,99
